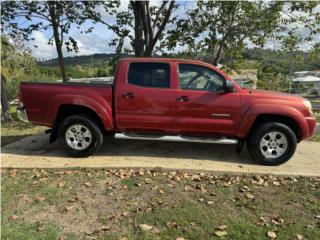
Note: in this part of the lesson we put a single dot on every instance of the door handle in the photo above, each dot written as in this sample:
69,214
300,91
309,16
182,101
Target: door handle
128,95
182,99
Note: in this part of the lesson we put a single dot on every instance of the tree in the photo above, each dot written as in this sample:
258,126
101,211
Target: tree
15,60
224,28
270,79
6,48
143,25
299,28
57,16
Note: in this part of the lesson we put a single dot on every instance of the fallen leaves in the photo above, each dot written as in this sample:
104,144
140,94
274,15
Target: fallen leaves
149,228
68,208
125,213
272,235
262,222
146,193
148,181
13,217
299,237
249,196
221,233
13,173
277,221
145,227
88,184
39,198
196,177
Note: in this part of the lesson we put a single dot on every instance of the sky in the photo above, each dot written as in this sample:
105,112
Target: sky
98,40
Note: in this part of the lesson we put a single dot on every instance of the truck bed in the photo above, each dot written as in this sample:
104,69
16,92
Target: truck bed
43,99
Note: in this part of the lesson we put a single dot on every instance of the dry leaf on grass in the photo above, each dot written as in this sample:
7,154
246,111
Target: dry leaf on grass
196,177
277,221
88,184
299,237
262,222
13,217
271,234
39,198
13,173
249,196
145,227
221,233
125,214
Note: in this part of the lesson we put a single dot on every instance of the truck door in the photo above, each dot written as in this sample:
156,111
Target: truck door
144,100
202,106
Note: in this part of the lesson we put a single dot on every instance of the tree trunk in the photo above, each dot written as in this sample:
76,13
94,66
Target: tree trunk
58,41
143,27
151,45
138,29
6,115
291,70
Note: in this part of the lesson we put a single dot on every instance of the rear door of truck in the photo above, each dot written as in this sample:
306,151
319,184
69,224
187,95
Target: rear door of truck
144,97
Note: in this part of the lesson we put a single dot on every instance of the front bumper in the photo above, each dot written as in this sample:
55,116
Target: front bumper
312,124
22,114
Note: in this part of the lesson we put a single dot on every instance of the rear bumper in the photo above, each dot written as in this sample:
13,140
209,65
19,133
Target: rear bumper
22,114
312,125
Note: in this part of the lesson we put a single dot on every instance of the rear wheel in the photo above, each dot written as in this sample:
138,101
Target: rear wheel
80,136
272,143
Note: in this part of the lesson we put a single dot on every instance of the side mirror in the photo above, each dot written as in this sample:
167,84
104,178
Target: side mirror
228,86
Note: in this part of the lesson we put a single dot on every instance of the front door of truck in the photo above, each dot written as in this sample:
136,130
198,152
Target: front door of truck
144,101
202,106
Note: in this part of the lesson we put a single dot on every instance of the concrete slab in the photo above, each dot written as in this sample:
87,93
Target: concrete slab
36,152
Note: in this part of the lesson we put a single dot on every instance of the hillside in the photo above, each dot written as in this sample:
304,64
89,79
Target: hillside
93,60
252,58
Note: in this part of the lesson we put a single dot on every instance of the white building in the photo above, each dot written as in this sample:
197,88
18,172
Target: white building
307,82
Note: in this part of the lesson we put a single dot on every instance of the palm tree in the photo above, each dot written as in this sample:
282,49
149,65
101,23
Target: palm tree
6,49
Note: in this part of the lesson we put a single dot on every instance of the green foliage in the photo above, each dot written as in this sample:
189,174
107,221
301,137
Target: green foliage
57,16
220,30
37,16
270,79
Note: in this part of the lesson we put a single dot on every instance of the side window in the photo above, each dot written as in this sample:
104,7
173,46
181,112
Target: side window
194,77
155,75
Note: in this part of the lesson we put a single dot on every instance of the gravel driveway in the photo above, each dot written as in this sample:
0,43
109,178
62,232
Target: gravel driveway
36,152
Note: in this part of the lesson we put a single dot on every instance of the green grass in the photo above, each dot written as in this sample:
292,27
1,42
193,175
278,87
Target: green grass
77,210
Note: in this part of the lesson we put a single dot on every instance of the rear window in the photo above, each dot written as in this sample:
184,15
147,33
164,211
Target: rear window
155,75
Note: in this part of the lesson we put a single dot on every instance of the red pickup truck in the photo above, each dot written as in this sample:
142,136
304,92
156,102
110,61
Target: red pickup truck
172,100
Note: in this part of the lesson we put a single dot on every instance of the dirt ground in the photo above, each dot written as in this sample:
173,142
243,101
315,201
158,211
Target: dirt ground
36,152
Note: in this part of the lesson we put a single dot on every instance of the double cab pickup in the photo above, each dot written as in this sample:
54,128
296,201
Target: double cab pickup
171,100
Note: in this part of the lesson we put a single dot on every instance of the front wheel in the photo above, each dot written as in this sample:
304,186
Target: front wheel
272,143
80,136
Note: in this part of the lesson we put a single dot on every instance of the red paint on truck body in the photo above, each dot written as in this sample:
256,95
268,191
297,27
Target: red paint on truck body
127,107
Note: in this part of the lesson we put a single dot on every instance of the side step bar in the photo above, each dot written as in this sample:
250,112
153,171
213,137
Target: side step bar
176,138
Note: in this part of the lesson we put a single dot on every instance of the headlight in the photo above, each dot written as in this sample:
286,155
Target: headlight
308,105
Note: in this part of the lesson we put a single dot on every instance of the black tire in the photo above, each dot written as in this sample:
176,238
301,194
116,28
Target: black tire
91,125
253,143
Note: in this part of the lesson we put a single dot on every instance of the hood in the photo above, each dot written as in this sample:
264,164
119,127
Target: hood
276,95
